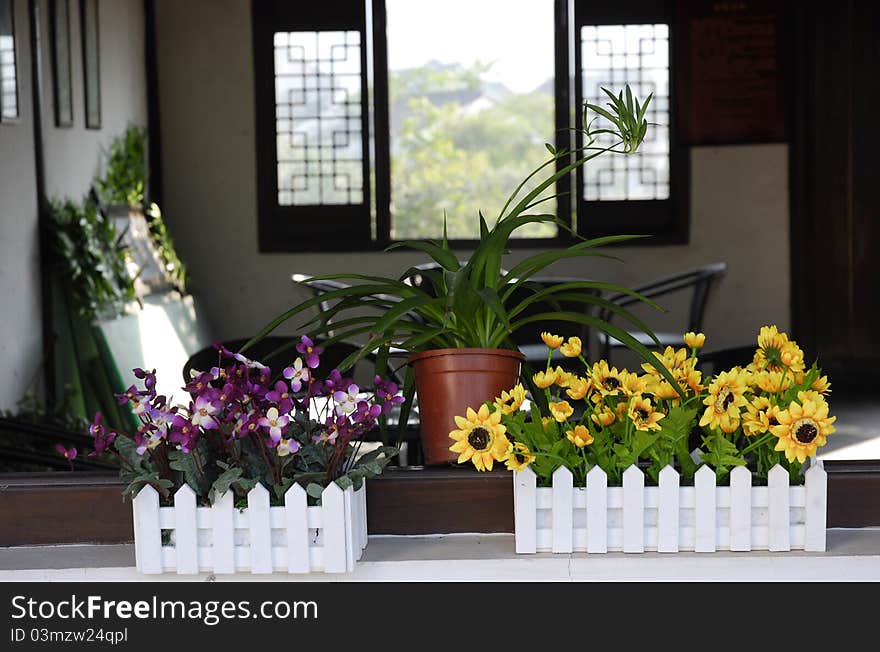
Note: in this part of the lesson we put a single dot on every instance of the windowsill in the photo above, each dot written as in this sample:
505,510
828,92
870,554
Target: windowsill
851,555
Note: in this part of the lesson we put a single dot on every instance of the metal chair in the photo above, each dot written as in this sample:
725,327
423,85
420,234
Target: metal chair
701,280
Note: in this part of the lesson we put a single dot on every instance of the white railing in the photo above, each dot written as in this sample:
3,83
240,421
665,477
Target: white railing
669,517
294,538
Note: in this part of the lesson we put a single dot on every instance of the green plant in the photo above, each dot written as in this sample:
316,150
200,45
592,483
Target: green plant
125,176
478,303
91,259
174,267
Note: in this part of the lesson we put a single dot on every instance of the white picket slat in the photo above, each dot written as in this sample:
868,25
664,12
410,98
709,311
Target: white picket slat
525,511
349,530
223,533
185,533
667,510
778,510
366,527
633,510
296,516
740,509
333,505
815,513
260,530
597,510
562,514
147,531
704,510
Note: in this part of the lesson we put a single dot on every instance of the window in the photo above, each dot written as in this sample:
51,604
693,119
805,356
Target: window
376,119
8,82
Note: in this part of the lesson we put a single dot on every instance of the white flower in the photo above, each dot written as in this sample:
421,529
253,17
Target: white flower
346,402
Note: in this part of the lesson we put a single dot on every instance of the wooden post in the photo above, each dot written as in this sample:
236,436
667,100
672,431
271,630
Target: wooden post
223,535
597,510
525,511
668,510
704,511
260,530
778,511
633,510
147,532
740,509
563,510
333,506
816,506
296,520
185,531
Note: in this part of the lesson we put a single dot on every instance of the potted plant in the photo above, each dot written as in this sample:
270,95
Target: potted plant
456,325
255,441
581,464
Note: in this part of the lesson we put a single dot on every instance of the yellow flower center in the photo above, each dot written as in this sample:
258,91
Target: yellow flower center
805,431
479,438
203,412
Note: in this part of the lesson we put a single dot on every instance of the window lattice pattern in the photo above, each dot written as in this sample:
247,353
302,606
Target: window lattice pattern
8,91
318,117
612,56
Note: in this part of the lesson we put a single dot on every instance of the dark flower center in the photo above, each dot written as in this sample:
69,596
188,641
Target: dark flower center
611,383
806,432
519,458
725,398
479,438
642,414
772,421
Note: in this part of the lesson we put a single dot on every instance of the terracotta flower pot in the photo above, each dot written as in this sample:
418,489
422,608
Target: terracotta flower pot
448,382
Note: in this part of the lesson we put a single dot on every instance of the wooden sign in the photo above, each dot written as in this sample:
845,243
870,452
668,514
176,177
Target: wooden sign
730,62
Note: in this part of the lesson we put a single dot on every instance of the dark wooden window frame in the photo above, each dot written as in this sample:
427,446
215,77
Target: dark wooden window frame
367,226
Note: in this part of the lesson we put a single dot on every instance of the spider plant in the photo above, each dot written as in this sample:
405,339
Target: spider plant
477,303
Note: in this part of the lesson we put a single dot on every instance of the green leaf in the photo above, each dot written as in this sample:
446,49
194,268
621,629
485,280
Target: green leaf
223,482
442,255
314,490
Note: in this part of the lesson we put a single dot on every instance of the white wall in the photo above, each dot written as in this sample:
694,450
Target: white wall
20,341
739,203
71,158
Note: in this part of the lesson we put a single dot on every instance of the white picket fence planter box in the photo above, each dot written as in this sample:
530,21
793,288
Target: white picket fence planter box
295,538
670,518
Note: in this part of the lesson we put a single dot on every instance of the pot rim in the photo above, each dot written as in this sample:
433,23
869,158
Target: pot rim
435,353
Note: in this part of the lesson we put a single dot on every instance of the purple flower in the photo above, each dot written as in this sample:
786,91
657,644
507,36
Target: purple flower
286,447
149,378
103,439
275,423
366,412
181,432
307,348
297,375
387,394
333,429
281,397
130,394
199,383
346,401
67,453
245,425
202,413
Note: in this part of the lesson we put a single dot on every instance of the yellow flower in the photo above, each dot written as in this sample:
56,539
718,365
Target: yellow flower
792,357
480,438
553,341
544,379
821,385
772,382
572,348
604,418
577,387
562,377
692,379
561,410
694,340
580,436
776,352
760,415
671,358
607,380
519,457
510,402
726,396
803,427
642,414
633,384
662,389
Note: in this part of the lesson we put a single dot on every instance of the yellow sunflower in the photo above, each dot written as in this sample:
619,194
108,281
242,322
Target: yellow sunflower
605,417
671,358
562,377
662,389
821,385
480,438
694,340
726,397
518,457
510,402
553,341
772,382
775,351
760,415
544,379
634,384
803,427
642,414
577,387
607,380
560,410
580,436
572,348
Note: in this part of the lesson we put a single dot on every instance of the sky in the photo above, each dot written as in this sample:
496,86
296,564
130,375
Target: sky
516,34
